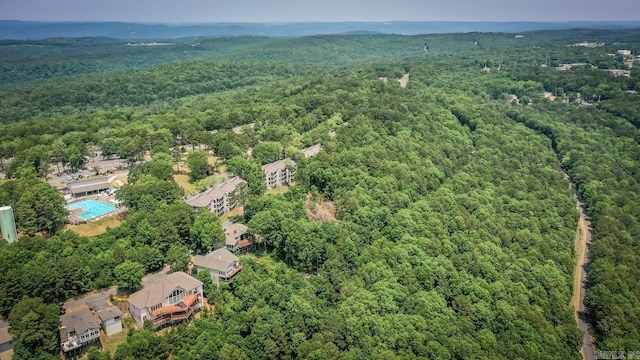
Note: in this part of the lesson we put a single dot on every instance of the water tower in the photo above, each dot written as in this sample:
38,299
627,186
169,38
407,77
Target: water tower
8,224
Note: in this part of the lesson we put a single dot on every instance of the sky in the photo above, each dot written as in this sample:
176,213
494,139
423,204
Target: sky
208,11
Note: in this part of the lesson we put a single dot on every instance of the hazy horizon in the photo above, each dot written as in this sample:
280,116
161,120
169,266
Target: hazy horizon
303,11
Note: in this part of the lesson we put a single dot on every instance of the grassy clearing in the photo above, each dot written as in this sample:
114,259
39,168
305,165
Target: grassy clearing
95,228
278,190
183,178
110,343
235,212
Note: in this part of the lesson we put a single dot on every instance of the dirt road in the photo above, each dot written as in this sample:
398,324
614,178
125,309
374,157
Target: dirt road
583,239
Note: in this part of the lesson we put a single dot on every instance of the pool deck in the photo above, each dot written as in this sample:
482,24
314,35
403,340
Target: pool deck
74,214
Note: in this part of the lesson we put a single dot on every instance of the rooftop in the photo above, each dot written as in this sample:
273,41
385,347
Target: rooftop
109,313
233,231
155,292
79,321
311,151
89,185
278,165
238,129
219,259
220,190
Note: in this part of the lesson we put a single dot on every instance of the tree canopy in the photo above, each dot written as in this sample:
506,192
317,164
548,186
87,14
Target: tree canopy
437,221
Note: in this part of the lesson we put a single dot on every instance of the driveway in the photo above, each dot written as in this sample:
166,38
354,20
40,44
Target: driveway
103,296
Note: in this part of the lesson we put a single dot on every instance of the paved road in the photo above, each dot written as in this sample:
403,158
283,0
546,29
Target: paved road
104,295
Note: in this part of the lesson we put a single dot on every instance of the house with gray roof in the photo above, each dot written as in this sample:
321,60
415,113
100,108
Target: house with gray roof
78,330
222,264
279,173
221,198
166,301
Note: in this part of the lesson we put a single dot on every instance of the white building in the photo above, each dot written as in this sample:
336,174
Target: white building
220,198
110,319
279,173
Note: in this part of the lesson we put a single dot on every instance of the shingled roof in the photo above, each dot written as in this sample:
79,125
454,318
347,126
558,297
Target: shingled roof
109,313
216,260
233,231
203,199
155,292
311,151
79,321
277,165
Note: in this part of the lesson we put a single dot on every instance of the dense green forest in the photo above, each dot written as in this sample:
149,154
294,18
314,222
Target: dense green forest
454,227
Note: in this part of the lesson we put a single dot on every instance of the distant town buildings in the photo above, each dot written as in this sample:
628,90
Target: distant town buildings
240,129
404,80
619,72
565,67
587,44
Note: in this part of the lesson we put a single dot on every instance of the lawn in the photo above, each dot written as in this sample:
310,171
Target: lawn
277,191
110,343
96,227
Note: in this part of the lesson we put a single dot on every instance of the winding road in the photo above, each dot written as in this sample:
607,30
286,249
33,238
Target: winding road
583,239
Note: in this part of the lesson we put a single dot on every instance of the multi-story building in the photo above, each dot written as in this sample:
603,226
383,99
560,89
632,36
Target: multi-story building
221,198
279,173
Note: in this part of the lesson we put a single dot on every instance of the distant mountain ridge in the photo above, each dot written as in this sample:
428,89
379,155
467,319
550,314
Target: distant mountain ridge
25,30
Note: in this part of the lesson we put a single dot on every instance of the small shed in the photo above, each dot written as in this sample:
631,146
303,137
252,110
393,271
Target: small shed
110,320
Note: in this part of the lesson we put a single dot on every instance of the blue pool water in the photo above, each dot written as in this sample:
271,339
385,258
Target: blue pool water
92,208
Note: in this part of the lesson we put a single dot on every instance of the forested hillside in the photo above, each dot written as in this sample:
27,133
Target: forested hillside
454,225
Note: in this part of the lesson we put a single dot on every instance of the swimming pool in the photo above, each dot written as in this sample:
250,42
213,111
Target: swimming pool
92,208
